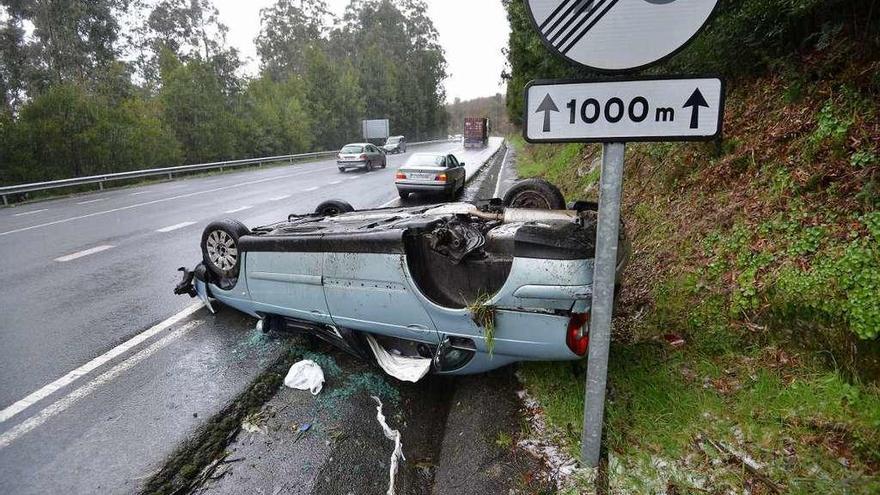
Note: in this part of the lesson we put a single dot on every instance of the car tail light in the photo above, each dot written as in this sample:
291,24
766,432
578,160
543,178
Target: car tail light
400,175
440,177
578,336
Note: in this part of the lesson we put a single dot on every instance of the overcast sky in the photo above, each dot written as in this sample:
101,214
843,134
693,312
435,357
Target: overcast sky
472,33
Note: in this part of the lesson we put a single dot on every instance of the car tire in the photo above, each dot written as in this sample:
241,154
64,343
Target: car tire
534,194
368,167
220,250
333,207
342,170
384,162
403,195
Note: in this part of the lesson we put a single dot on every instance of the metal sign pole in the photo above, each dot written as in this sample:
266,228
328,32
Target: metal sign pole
610,183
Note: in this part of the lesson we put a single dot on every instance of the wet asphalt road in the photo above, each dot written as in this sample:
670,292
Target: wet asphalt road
85,274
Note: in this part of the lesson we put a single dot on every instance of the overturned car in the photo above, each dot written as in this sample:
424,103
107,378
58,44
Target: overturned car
453,288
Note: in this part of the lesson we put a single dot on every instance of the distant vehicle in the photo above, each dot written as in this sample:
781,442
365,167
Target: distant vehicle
476,132
395,144
376,130
360,155
430,173
459,287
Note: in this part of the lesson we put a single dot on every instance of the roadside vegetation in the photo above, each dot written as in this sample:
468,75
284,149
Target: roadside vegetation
747,345
114,85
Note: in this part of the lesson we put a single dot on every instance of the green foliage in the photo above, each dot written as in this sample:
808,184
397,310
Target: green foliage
274,118
664,404
842,285
504,441
863,158
68,132
831,129
562,164
197,110
483,314
70,106
819,279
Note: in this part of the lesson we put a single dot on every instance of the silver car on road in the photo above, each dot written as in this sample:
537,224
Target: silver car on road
360,155
431,173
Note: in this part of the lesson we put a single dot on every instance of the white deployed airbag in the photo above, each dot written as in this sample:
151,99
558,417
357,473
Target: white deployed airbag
407,369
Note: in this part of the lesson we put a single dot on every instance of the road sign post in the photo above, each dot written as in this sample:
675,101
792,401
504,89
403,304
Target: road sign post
617,36
610,185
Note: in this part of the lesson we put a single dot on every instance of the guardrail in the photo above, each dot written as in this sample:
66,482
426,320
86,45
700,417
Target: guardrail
168,171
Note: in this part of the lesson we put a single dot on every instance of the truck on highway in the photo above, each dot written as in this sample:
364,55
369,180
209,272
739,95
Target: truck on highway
376,131
476,132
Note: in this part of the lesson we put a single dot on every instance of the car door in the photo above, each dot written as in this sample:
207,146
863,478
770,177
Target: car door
289,284
373,292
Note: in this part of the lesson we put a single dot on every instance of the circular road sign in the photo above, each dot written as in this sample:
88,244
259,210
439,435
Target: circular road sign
618,35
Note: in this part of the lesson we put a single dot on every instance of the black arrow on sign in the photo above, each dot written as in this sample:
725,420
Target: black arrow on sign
695,102
547,106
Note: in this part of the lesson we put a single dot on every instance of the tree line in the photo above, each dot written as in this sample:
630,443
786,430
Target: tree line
101,86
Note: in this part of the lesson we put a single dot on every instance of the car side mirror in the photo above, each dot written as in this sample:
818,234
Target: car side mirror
461,164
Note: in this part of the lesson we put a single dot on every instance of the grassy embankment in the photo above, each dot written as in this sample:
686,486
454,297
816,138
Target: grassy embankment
763,254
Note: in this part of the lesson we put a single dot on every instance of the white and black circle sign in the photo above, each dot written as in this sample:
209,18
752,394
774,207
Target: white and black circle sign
618,35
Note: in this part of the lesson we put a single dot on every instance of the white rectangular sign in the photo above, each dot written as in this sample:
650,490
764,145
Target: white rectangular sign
624,110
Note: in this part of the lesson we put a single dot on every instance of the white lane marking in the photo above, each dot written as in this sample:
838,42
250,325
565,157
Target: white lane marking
138,205
311,189
141,192
175,227
87,368
389,203
236,210
30,212
279,198
500,174
72,398
85,252
335,182
92,201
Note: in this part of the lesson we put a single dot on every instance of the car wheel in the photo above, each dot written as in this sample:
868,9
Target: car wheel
342,170
333,207
403,195
220,250
369,166
384,162
535,194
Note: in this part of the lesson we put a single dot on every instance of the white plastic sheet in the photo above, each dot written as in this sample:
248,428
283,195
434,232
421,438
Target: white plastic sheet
305,375
393,435
407,369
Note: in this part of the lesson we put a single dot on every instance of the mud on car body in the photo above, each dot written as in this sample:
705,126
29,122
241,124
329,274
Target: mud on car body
472,286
